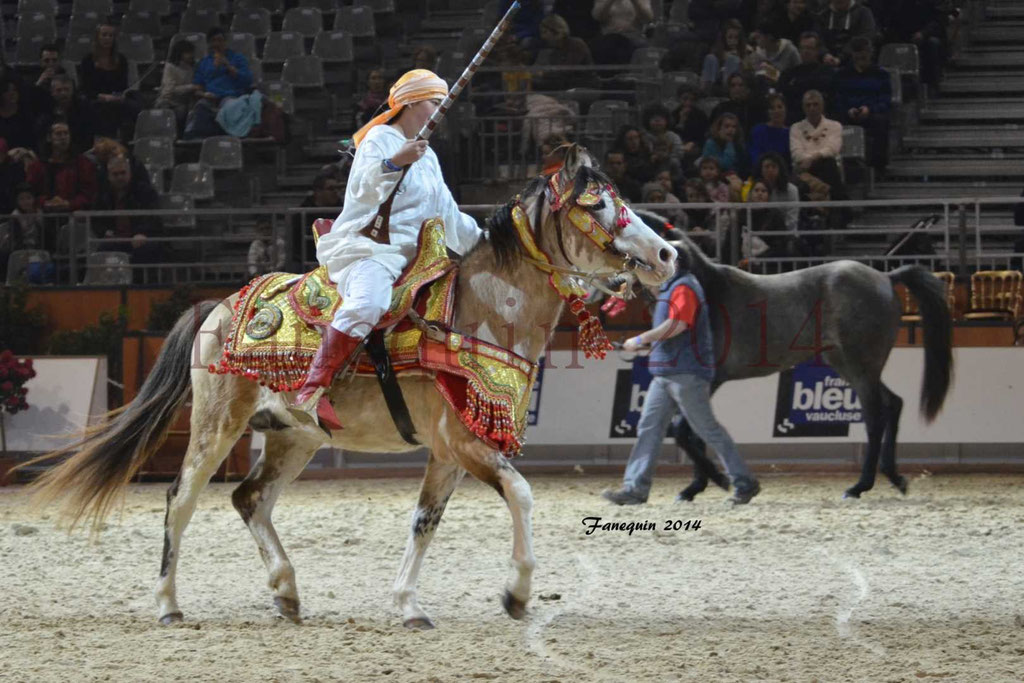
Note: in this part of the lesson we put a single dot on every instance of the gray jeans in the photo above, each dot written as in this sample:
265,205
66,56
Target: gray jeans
692,395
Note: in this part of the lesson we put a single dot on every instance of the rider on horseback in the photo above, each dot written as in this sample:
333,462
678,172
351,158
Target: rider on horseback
364,255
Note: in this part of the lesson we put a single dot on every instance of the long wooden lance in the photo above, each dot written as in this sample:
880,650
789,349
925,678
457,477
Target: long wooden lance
478,59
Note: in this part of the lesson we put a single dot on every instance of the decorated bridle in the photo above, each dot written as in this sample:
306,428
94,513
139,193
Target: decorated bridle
567,281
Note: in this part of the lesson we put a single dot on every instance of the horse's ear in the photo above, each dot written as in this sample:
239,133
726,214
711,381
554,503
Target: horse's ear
576,157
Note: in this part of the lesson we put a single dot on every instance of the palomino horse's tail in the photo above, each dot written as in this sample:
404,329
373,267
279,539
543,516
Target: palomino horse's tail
930,293
108,455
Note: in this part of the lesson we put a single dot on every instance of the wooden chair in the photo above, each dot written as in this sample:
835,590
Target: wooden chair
996,295
911,314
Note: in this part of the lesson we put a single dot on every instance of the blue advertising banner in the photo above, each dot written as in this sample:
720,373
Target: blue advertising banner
813,400
630,390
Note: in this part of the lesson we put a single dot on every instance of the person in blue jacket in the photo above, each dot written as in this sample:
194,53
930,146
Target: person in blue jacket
863,97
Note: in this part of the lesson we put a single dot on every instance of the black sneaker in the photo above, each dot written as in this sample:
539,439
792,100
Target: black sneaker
623,497
742,494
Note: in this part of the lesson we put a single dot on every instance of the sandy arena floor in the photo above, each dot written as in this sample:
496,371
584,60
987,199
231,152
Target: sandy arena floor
797,586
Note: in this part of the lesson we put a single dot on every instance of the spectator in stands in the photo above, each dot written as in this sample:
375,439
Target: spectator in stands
810,74
16,125
526,24
923,23
579,14
863,97
773,171
725,144
424,57
104,81
747,107
615,167
67,106
107,149
691,125
708,16
729,55
759,221
794,20
560,48
840,22
659,191
622,23
23,229
222,74
12,174
699,224
815,144
656,119
38,95
772,136
121,191
713,180
177,91
375,97
65,181
634,146
774,54
323,201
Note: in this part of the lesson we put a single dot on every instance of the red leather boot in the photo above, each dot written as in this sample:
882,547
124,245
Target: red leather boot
335,350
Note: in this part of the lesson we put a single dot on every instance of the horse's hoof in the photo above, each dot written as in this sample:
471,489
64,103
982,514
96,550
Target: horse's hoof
901,485
515,607
288,608
688,494
172,618
419,623
851,493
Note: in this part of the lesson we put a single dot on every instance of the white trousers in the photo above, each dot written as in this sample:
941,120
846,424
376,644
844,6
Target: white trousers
366,297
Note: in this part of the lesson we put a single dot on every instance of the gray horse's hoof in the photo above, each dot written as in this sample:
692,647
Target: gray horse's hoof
288,608
515,607
418,623
172,618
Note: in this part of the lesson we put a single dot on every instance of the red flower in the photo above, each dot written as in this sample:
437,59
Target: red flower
27,363
7,387
3,373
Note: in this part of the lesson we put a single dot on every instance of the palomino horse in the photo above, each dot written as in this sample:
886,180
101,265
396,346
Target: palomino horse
502,293
844,313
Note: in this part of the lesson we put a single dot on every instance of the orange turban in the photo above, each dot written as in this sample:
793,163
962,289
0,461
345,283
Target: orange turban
414,86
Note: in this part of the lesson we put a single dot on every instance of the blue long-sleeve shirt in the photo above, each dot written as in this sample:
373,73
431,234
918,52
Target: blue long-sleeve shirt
219,81
871,88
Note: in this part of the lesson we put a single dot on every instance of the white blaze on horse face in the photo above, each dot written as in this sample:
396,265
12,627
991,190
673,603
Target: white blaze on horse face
642,243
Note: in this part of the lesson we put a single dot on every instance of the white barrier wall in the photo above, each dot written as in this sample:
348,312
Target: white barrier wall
584,401
65,396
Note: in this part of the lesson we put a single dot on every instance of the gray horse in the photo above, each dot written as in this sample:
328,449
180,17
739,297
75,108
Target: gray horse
843,313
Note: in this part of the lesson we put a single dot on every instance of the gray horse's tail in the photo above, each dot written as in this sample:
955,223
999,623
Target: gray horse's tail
107,456
930,293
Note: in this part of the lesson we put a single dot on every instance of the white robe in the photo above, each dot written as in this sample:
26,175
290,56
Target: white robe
423,195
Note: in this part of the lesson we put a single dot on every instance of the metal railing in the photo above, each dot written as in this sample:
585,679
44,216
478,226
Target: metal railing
216,246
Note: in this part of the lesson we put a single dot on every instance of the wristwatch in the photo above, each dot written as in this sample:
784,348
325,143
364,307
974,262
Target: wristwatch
389,166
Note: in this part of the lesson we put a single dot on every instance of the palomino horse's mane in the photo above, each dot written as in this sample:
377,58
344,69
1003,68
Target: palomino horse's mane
501,232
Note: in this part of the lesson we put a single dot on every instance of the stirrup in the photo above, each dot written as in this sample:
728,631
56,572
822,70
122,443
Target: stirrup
318,410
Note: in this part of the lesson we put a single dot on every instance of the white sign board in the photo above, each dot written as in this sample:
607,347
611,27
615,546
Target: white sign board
66,395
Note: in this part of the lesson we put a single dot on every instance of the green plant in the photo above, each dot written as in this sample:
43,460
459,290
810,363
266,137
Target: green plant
164,314
21,328
102,339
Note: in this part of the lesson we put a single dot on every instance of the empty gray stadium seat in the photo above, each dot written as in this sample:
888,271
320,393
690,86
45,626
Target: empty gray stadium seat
108,268
157,177
136,47
242,43
281,94
155,152
141,23
195,180
333,47
281,45
221,153
219,6
356,20
256,69
273,6
26,53
673,80
198,20
101,7
76,48
305,71
254,20
158,7
325,6
305,20
854,143
84,24
183,204
48,7
902,56
156,123
37,25
18,263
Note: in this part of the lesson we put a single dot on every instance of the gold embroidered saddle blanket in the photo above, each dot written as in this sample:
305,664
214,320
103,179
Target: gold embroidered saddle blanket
278,318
